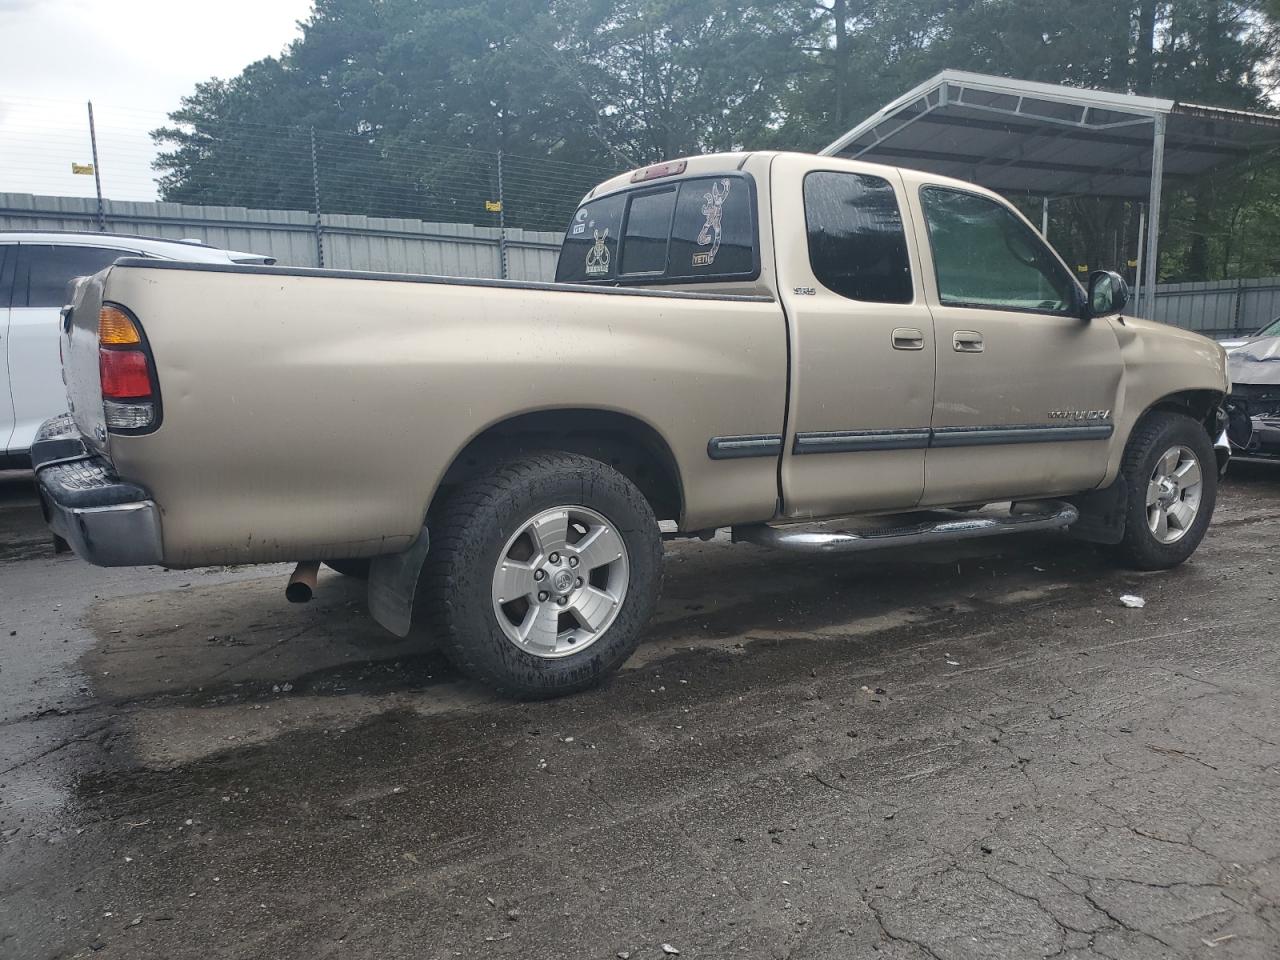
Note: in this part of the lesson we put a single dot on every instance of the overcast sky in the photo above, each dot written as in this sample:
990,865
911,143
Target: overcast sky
134,59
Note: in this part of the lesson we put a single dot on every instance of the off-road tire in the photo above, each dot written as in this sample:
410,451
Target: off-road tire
1154,434
454,598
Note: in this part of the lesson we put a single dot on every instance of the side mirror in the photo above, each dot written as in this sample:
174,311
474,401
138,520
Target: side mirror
1108,294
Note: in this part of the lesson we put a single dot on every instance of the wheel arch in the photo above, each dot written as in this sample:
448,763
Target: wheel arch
1201,405
630,445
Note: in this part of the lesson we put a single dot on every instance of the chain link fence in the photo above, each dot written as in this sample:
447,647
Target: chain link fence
345,183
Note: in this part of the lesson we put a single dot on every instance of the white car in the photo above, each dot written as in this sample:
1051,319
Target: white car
35,269
1272,329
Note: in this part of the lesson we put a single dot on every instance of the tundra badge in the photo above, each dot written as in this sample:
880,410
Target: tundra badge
1079,414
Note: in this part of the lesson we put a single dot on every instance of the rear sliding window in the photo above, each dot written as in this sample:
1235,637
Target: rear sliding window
682,232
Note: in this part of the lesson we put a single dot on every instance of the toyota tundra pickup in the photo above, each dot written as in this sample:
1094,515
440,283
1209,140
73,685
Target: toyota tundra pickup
819,354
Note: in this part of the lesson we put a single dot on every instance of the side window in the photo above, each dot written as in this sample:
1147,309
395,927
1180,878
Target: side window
590,248
644,242
985,256
44,270
857,244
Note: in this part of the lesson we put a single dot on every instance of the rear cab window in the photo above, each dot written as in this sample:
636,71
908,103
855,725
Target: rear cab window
684,231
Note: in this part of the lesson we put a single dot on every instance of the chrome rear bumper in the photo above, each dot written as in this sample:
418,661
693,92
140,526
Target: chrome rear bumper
107,521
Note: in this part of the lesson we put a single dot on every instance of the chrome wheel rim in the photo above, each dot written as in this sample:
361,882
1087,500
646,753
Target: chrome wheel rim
560,581
1173,494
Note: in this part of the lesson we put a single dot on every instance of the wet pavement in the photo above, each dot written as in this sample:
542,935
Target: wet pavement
961,753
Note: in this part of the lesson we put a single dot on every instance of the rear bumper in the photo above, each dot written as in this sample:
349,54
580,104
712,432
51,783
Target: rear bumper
107,521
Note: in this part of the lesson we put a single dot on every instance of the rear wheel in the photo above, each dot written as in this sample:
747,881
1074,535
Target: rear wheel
541,574
1171,477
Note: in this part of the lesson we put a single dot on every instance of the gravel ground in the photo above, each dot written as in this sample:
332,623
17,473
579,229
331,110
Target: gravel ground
961,753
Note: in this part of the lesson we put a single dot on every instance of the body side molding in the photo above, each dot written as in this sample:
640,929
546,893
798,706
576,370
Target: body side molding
912,438
736,448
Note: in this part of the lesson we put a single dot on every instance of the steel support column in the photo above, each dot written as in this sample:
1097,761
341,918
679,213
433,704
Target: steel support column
1153,214
1138,292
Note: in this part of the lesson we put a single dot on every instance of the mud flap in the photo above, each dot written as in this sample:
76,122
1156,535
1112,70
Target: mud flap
1102,514
393,582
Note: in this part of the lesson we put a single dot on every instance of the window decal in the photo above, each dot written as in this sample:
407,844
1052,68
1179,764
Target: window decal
598,256
712,209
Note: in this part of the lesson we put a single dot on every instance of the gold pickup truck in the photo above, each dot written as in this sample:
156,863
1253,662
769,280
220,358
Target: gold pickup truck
819,354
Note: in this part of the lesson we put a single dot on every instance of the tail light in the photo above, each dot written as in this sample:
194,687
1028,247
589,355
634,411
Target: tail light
130,398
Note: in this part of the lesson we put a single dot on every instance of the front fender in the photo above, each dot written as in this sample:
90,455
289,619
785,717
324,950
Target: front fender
1162,364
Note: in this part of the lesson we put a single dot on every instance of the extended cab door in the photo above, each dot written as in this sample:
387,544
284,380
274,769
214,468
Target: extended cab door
861,338
1025,388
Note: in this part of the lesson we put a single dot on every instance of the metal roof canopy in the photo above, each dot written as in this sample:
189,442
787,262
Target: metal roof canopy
1049,141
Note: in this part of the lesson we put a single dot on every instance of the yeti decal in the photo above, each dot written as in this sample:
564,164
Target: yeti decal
709,235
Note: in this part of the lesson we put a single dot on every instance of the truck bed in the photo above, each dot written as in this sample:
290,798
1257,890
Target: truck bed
314,412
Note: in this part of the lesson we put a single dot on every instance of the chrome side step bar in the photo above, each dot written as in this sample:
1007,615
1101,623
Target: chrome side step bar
937,527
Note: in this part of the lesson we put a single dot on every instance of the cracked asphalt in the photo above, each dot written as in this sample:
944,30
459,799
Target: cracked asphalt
963,753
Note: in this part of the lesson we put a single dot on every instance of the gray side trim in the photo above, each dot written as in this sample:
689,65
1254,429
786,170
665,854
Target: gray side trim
917,438
735,448
855,441
151,264
1022,433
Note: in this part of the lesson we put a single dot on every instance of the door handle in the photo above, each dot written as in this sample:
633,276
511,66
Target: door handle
967,341
908,338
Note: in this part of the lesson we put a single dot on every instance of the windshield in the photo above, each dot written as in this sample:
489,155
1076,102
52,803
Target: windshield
1272,329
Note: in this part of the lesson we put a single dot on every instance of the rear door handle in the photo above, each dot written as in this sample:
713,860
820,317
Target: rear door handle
967,341
908,338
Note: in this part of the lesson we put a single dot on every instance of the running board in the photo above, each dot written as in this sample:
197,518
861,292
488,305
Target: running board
937,527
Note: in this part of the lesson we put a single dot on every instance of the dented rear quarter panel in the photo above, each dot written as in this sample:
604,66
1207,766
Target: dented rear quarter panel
313,416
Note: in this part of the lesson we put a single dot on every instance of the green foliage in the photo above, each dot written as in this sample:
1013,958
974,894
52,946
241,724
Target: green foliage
411,99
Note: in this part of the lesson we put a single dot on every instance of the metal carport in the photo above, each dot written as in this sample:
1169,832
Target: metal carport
1049,141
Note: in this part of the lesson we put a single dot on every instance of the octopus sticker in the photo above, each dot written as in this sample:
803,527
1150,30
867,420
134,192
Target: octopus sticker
598,256
709,235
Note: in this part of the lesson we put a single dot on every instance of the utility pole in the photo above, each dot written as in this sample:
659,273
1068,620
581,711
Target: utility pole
97,176
315,189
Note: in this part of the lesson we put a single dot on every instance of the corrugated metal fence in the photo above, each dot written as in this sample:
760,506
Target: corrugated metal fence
349,242
1219,309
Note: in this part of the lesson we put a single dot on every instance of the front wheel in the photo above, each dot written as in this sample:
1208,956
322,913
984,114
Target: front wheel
541,574
1171,479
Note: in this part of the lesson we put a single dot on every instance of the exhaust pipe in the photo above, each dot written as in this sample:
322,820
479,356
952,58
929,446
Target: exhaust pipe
302,583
